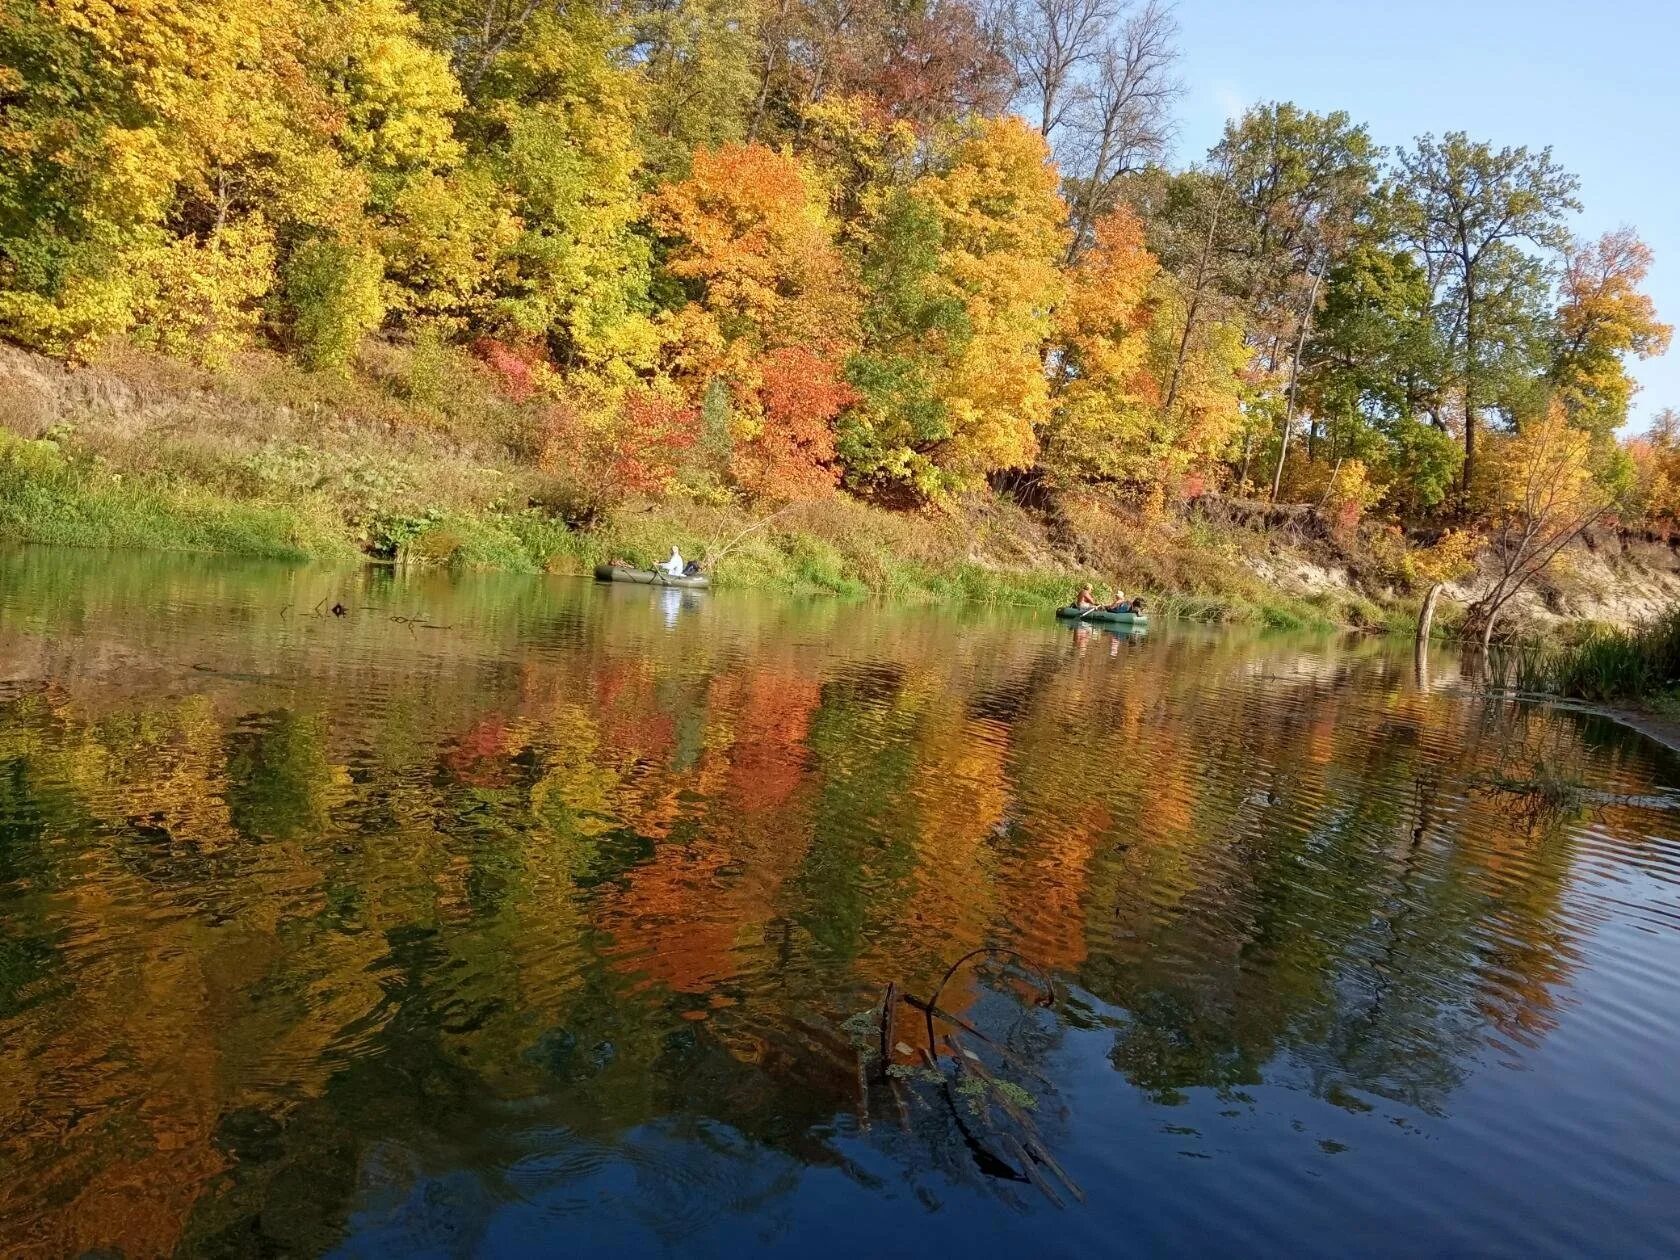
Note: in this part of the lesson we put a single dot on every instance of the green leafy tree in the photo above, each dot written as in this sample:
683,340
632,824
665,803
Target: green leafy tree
1469,210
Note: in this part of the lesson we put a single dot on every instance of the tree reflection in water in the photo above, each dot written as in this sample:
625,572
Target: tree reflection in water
316,930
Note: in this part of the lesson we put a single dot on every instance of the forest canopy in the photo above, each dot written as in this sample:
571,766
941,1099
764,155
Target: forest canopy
776,249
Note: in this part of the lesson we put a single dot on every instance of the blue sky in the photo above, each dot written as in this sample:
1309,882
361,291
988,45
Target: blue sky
1599,83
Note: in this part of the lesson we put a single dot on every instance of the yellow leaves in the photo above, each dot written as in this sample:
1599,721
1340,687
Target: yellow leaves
85,309
1603,317
334,290
1003,230
752,235
442,242
397,95
854,147
1541,477
1208,369
1449,558
201,300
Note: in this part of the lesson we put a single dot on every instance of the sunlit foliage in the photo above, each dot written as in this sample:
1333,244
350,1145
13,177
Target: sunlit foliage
821,232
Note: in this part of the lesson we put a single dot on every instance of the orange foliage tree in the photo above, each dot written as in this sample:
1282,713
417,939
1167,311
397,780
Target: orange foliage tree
787,449
772,312
750,236
639,447
1104,397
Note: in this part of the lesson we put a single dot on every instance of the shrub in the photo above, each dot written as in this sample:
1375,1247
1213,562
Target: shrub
334,292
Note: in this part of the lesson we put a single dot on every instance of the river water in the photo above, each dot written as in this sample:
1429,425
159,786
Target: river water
508,916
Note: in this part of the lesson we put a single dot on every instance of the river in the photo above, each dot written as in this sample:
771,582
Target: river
374,913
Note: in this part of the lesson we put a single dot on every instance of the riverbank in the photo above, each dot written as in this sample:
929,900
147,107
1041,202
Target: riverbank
423,457
417,463
987,550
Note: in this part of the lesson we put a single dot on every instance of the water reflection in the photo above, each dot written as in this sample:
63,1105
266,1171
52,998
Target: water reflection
501,903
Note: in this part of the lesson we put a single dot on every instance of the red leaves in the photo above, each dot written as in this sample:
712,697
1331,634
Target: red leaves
653,433
518,369
637,449
791,456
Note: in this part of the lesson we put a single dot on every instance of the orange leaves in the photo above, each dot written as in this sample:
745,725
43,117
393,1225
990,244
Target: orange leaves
754,240
1108,293
775,310
652,438
790,453
636,448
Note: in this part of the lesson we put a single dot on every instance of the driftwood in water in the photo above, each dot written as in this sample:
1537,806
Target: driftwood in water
889,1004
935,1012
1005,1144
1028,1167
1035,1148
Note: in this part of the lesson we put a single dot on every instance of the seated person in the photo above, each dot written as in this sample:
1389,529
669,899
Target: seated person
1085,599
1119,604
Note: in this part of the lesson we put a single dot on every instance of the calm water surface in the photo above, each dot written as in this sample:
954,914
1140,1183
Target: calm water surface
525,916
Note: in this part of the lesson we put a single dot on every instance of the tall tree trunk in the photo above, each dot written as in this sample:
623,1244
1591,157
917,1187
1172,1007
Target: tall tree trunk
1470,372
1195,304
1294,378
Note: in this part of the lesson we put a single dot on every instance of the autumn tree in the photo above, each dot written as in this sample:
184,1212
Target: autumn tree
1105,400
911,327
1097,78
1655,456
1299,185
697,60
771,311
1001,232
1602,319
924,62
1541,493
1194,231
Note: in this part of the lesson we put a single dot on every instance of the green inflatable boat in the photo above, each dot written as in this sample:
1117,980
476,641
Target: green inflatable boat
1102,615
649,577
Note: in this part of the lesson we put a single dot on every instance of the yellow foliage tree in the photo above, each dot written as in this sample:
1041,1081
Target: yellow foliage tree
1539,494
1105,400
1210,361
1603,318
1003,231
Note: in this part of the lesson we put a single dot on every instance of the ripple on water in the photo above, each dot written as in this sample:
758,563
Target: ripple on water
563,918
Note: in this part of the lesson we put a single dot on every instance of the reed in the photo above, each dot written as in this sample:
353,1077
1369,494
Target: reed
1608,665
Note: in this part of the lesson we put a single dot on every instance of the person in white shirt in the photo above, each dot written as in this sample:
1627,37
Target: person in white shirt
674,566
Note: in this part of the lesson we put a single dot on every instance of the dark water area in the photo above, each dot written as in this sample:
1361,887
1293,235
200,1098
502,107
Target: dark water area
508,916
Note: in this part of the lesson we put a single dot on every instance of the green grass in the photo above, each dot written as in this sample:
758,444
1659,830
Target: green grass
1609,664
47,497
139,451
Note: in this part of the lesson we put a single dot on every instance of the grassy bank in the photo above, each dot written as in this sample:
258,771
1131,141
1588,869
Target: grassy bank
420,462
1611,665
